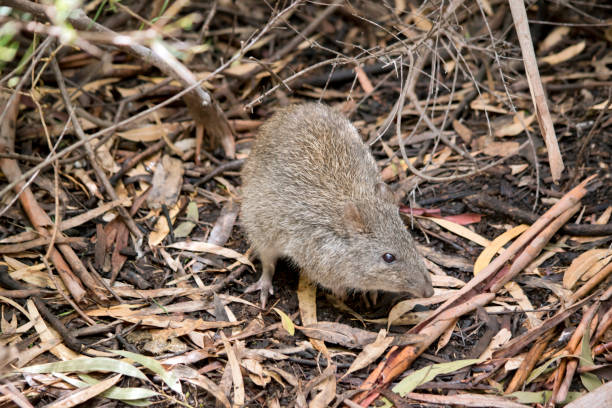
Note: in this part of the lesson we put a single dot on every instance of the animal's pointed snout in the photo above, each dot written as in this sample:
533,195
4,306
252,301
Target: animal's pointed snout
427,291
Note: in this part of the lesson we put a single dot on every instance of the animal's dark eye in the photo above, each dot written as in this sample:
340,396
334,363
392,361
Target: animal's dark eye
388,258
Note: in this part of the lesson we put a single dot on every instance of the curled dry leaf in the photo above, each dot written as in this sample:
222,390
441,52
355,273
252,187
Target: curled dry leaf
582,264
407,305
446,336
566,54
199,246
7,355
501,338
463,131
495,246
517,126
524,303
552,39
256,371
502,149
324,388
371,352
222,229
597,266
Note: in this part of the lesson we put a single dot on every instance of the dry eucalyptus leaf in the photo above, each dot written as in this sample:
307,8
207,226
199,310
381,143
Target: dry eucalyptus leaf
167,182
371,352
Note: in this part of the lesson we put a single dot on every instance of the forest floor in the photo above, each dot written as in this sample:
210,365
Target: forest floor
123,130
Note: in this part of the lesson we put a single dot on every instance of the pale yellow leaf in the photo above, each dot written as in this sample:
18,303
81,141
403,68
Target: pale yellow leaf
562,56
286,321
307,302
461,231
602,105
518,168
552,39
495,246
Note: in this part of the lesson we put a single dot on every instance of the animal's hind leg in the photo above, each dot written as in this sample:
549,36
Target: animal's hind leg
264,284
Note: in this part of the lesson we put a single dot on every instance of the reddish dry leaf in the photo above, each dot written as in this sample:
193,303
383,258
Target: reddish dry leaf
461,219
464,219
431,212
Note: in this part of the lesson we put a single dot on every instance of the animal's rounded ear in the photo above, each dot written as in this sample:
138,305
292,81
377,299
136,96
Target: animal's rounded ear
384,191
353,219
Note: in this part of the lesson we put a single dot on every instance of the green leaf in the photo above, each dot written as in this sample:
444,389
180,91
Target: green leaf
286,321
541,397
169,378
541,369
86,365
425,374
138,403
184,228
118,393
525,397
122,393
589,380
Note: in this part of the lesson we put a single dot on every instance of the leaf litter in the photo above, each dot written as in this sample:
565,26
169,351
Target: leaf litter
124,264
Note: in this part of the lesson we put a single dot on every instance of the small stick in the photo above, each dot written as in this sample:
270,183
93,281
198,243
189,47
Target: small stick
519,15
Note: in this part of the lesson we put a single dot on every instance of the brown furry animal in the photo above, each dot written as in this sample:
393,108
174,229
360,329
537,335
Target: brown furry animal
313,193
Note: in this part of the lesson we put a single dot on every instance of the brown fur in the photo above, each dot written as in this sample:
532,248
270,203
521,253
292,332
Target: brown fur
313,193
